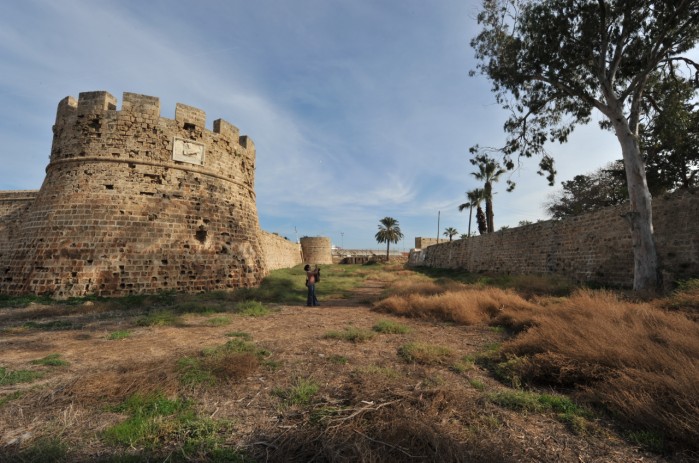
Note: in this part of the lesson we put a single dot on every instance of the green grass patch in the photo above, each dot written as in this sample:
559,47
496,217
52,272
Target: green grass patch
548,285
160,317
141,301
10,397
44,449
375,370
52,360
288,286
10,377
155,421
218,321
505,370
234,360
24,300
567,411
463,364
425,354
647,439
240,334
390,327
300,393
477,384
119,334
252,309
54,325
192,372
338,359
351,334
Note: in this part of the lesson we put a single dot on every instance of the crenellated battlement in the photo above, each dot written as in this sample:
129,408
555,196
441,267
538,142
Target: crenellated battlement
102,103
91,128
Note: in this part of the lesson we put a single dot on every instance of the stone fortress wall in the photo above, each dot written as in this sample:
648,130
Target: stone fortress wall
316,250
280,252
594,247
135,203
12,205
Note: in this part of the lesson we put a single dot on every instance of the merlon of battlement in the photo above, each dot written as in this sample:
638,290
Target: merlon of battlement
66,106
141,104
89,102
247,143
190,115
226,129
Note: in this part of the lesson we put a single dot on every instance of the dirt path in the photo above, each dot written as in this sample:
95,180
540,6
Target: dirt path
69,401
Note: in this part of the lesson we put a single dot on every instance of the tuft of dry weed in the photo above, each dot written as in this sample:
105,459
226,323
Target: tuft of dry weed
638,360
464,305
232,366
422,425
113,384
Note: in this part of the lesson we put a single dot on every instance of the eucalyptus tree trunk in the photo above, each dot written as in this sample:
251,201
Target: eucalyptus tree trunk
640,215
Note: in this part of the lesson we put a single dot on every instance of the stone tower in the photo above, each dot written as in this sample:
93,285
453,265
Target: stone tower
316,250
136,203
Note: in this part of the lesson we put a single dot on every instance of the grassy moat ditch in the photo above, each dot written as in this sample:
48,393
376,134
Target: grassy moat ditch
395,365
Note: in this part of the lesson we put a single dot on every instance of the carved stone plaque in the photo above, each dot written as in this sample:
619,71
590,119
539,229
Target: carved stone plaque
188,151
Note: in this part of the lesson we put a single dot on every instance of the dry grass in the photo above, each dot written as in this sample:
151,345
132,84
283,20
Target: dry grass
684,299
421,426
114,384
416,396
639,361
464,305
635,359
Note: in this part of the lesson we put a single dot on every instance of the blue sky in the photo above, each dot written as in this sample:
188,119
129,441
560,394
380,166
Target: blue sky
359,109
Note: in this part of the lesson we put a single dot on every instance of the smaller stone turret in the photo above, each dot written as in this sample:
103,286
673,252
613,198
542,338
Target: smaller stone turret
316,250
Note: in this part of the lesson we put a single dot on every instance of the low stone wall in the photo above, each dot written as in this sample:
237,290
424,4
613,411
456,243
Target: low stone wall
594,247
421,242
12,205
14,202
279,252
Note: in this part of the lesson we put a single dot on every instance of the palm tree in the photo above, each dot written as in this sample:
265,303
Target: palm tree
480,219
489,172
450,232
475,197
389,232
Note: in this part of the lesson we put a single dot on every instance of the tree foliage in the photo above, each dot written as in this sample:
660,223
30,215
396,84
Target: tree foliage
475,198
552,62
669,136
586,193
389,232
450,232
489,172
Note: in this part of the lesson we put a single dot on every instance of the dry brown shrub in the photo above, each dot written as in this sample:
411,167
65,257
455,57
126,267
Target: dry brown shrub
685,299
636,359
422,426
114,384
464,305
232,365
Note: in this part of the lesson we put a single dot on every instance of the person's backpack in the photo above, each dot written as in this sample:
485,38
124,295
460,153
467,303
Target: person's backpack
318,276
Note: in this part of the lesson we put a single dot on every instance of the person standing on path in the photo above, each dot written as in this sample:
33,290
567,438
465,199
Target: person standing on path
312,277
